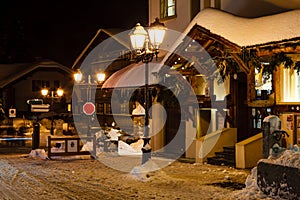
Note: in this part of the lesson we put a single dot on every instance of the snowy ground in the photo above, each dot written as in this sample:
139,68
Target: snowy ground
26,177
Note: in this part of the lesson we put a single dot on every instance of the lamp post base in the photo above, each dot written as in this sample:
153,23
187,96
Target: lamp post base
146,149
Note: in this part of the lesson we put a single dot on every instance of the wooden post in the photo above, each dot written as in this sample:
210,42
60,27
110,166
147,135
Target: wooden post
94,153
49,146
251,94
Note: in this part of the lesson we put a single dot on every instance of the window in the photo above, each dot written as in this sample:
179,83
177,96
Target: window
290,90
56,84
100,108
210,4
167,8
263,85
37,85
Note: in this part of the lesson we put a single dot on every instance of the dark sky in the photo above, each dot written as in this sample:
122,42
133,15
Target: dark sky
60,29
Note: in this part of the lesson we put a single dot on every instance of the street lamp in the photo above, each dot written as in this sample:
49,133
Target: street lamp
78,77
59,93
145,46
99,78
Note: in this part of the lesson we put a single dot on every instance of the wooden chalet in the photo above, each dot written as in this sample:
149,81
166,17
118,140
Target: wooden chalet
234,65
250,58
23,81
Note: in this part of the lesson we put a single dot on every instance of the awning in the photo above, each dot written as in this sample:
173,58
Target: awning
133,76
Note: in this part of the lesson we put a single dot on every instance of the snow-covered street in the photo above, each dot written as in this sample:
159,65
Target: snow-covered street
26,177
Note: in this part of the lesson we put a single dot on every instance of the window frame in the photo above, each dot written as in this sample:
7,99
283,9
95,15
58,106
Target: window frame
37,85
285,74
164,6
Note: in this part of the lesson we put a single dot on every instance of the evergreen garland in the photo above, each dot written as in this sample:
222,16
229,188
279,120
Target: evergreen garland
275,60
280,58
297,67
226,67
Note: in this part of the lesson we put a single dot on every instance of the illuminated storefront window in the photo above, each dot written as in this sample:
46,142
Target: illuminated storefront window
290,89
263,85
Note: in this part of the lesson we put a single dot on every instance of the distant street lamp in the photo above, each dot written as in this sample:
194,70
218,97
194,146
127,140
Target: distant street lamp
145,46
59,94
99,78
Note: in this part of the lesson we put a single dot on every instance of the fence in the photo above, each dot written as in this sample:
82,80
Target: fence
70,146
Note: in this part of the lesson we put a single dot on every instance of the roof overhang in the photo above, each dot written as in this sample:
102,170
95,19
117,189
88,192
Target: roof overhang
133,76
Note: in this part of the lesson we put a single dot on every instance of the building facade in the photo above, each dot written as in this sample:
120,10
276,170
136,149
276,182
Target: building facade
246,55
23,81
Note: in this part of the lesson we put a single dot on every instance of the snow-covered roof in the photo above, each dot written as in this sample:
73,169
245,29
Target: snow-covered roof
249,31
244,32
12,72
122,39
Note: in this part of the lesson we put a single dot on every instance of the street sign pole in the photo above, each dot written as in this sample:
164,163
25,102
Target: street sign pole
37,106
89,109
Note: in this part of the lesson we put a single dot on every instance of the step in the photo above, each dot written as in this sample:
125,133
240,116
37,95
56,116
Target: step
225,155
220,161
229,149
187,160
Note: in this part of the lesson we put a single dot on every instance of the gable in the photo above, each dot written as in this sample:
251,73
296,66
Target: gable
11,73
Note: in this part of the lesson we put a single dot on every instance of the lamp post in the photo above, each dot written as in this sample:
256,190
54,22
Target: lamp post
59,93
145,46
99,78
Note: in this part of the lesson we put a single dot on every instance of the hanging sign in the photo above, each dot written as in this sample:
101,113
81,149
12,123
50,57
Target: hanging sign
40,107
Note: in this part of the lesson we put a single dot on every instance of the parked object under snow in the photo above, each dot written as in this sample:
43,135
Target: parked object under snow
279,176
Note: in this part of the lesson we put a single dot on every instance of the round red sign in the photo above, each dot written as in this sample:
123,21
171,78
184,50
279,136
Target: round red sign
88,108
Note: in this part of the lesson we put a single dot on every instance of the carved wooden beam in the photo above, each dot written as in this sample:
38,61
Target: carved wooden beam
240,62
289,46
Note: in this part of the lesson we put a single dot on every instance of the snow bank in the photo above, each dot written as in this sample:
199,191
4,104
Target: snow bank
114,134
38,153
288,158
251,191
132,149
88,146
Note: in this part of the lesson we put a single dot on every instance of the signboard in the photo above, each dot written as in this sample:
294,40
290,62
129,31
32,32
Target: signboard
35,101
12,112
40,107
88,108
72,146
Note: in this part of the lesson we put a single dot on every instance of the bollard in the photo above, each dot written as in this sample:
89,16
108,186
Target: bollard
36,136
273,136
266,135
270,124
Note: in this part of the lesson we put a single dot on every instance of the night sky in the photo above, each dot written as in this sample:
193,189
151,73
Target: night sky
59,30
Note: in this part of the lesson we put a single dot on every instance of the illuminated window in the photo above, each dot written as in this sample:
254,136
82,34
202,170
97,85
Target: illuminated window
290,90
167,8
263,85
210,4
